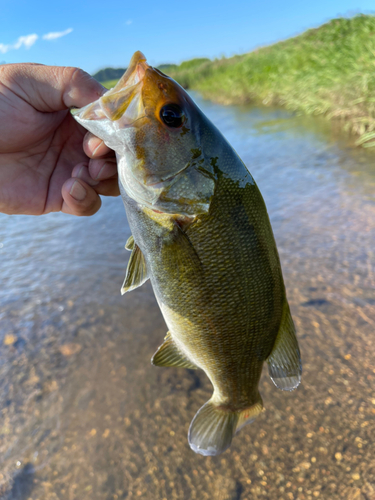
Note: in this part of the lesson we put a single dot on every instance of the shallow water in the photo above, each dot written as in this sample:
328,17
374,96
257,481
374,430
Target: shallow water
84,415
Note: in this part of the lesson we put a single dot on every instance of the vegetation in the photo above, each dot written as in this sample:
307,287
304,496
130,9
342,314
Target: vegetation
109,84
106,74
108,78
329,70
167,67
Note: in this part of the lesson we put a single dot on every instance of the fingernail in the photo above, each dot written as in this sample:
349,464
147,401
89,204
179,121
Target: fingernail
77,191
106,166
93,144
85,176
96,149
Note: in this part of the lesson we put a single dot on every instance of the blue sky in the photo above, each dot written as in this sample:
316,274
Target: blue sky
94,34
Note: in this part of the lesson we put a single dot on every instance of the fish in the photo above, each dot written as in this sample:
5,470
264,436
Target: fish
202,236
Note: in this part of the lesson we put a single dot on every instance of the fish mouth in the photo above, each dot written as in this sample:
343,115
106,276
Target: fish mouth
123,104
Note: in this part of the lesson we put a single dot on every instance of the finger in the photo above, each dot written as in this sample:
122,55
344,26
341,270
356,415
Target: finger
53,88
81,171
79,198
107,186
102,169
95,147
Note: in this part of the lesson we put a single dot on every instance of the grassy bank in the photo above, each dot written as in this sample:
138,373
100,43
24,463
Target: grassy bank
329,70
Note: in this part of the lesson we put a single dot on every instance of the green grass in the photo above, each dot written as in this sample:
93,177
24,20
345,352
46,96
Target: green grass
109,84
329,70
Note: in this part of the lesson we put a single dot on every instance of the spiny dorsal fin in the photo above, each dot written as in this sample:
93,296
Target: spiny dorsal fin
169,355
136,272
130,243
284,363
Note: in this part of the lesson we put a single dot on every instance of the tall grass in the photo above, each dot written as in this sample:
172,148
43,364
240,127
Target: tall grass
329,70
109,84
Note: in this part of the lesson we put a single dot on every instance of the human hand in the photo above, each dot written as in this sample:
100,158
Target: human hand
47,163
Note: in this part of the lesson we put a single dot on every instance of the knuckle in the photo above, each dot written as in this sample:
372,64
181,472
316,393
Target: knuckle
73,74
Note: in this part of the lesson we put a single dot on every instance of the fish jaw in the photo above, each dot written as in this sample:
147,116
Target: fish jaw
119,108
158,166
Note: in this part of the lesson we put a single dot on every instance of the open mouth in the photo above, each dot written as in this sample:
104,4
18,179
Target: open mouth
123,104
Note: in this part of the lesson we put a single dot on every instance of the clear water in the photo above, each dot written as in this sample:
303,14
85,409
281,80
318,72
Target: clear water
84,415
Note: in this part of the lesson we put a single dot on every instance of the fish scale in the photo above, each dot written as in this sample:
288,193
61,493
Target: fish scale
201,234
229,330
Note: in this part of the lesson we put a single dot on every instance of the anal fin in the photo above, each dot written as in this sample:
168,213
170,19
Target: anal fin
168,354
284,362
136,272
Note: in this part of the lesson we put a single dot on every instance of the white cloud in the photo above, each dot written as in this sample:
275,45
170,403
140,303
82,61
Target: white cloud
27,41
56,34
128,22
23,41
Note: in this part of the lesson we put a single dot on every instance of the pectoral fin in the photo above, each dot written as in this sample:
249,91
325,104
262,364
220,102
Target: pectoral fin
180,256
136,272
169,355
284,363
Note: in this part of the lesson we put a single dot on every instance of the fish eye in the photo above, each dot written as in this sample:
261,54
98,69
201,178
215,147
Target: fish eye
172,115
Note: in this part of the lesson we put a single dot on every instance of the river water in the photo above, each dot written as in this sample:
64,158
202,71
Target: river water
84,415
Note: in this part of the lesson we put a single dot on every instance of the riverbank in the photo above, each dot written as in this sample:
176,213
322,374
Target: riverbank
329,70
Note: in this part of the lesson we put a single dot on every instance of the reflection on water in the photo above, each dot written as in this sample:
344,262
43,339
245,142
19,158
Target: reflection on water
84,415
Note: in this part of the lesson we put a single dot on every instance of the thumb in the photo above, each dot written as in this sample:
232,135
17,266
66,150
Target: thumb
53,88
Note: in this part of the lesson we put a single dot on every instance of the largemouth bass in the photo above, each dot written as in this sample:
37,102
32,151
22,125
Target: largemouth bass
201,234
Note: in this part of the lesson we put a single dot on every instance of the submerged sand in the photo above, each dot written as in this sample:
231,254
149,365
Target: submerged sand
84,415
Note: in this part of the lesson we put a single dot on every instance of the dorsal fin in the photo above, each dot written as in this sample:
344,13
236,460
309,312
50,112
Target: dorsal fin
136,272
168,354
284,363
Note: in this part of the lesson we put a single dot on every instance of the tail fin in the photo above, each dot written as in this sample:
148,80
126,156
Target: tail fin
214,426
